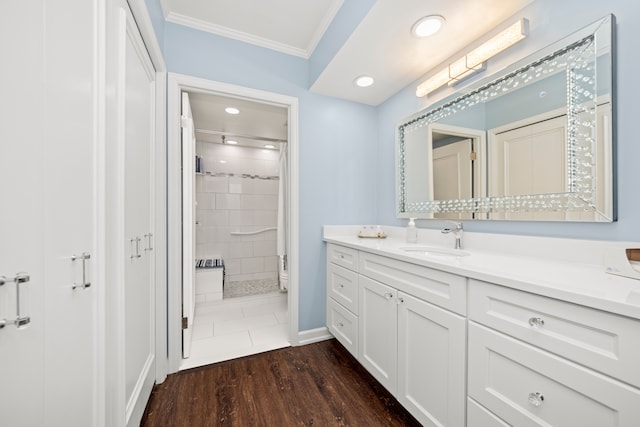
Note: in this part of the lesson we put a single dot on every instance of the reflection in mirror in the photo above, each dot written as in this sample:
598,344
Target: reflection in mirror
534,143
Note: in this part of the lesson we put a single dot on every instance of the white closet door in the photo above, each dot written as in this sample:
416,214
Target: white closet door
48,368
139,283
21,216
132,299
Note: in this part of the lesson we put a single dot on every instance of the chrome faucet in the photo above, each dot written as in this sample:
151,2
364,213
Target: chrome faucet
457,230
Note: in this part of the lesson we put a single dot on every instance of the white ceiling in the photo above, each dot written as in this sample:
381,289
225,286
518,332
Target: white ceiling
290,26
380,46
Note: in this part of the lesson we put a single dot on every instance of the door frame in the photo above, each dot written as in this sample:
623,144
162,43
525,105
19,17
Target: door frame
176,84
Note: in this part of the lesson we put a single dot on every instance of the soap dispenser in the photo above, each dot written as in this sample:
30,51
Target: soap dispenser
412,232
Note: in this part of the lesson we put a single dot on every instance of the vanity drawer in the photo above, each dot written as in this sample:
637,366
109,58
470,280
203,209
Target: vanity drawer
343,256
603,341
438,287
343,325
479,416
342,285
526,386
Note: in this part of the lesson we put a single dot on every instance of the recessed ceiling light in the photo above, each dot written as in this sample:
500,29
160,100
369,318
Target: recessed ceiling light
231,141
427,26
232,110
270,146
364,81
223,161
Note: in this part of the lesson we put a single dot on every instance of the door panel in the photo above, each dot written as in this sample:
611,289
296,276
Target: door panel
21,223
530,160
69,216
431,362
377,331
188,223
452,175
135,80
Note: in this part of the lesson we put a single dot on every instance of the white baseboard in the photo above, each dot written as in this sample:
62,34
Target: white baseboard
313,335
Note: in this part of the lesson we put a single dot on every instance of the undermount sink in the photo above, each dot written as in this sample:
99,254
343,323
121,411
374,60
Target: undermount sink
434,251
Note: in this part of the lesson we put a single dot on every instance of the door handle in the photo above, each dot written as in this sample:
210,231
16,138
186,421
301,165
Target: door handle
85,283
135,253
20,321
148,237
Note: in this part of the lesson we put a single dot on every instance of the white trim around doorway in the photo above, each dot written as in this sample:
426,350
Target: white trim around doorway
176,84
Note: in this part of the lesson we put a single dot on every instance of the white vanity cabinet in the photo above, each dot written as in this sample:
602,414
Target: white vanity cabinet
416,349
459,351
405,339
537,361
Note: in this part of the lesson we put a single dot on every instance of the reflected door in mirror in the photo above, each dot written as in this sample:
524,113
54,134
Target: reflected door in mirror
529,159
452,165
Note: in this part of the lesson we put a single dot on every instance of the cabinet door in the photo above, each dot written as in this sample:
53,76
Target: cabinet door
431,362
48,366
378,330
131,352
139,286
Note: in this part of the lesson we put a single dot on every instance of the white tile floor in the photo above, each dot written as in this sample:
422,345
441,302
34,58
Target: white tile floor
237,327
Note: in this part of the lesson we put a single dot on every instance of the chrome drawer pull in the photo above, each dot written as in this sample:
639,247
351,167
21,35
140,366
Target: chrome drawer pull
536,322
341,324
536,399
341,285
388,295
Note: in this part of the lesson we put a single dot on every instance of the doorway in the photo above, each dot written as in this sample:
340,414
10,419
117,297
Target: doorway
235,212
235,252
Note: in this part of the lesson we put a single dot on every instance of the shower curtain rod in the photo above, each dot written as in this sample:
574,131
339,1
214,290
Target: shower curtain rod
237,135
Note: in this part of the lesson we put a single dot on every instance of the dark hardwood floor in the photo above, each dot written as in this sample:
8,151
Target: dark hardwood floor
318,384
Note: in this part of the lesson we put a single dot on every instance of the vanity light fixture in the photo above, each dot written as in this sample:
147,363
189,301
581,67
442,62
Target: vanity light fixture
363,81
427,26
474,61
232,110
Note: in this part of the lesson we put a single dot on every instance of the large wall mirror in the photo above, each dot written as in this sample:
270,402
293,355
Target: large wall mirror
532,143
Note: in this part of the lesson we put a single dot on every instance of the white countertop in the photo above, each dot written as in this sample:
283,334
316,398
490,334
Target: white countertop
566,269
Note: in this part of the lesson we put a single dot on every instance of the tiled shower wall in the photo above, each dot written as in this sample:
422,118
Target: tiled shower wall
240,194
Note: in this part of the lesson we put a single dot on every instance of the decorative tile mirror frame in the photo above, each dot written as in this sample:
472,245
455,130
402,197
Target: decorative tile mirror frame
583,65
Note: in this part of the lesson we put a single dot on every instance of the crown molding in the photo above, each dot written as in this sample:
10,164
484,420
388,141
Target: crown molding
201,25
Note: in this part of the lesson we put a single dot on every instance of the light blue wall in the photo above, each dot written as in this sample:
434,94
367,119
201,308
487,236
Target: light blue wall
337,141
550,20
